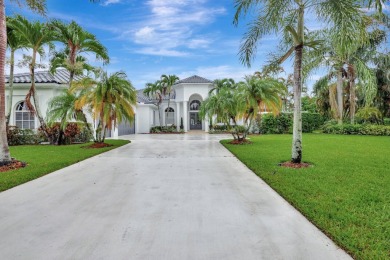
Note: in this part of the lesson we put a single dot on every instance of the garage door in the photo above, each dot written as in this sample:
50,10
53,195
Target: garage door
126,128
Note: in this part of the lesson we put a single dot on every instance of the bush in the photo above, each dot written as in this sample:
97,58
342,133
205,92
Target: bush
370,115
283,123
17,136
358,129
220,128
163,129
386,121
74,132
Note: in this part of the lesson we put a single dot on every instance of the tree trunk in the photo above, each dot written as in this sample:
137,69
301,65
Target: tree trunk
33,92
297,124
296,155
11,87
167,113
5,157
159,114
352,93
340,103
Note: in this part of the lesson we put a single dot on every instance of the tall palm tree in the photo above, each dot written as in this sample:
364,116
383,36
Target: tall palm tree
14,43
274,16
60,60
35,35
38,6
167,82
110,99
155,92
77,41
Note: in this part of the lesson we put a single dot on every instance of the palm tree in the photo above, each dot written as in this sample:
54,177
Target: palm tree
60,60
14,42
110,99
277,15
260,93
63,108
155,91
38,6
218,84
77,41
35,35
167,82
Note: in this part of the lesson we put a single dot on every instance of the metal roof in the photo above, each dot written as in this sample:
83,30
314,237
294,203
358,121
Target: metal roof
193,79
61,76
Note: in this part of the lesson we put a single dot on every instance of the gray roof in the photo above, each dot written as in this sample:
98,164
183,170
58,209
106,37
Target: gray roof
193,79
141,98
61,76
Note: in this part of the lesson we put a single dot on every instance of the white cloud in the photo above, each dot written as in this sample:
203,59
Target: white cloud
109,2
173,26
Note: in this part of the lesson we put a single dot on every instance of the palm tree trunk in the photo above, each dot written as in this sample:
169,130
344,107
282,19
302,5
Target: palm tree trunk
11,89
296,156
33,92
167,113
352,93
71,76
340,103
159,114
5,157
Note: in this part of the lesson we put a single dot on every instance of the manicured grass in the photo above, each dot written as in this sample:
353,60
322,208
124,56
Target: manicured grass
44,159
346,193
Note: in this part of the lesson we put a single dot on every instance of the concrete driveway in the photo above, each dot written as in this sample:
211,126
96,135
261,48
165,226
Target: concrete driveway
160,197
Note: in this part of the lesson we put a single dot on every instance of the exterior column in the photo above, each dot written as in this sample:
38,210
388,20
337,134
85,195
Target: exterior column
185,115
206,124
178,116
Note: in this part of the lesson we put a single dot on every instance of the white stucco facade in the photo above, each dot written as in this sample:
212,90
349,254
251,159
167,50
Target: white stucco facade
186,98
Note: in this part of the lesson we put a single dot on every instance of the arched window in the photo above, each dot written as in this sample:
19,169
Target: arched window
23,118
170,116
195,105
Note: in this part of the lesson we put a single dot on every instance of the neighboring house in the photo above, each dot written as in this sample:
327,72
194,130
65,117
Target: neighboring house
187,96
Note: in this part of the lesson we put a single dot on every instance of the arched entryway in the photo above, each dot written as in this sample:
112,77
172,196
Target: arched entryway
195,120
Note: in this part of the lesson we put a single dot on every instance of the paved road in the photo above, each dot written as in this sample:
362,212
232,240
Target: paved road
161,197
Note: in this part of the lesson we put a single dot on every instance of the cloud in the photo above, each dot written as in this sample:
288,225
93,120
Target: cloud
172,27
109,2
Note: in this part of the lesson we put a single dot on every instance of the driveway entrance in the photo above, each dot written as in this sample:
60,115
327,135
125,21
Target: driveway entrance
160,197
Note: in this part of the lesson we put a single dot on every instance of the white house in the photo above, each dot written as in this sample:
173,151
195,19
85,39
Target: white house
187,96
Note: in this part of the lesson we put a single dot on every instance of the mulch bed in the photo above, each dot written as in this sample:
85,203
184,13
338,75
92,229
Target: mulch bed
13,166
240,142
295,165
97,145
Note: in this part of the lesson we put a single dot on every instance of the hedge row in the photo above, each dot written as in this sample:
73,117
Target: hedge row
348,129
283,123
163,129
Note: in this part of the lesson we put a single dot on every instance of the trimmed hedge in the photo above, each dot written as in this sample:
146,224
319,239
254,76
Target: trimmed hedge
163,129
283,123
348,129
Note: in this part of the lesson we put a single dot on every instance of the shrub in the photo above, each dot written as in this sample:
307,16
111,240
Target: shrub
17,136
370,115
386,121
74,132
221,128
358,129
283,123
163,129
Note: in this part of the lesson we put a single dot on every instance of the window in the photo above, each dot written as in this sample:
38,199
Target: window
23,118
170,116
195,105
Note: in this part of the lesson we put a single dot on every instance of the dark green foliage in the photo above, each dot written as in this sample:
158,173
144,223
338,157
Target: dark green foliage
309,104
163,129
221,128
386,121
17,136
282,123
74,132
357,129
346,191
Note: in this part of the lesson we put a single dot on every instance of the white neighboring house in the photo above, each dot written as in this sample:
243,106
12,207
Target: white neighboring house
186,98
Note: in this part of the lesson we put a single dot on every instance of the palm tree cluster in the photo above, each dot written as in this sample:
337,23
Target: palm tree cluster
343,46
161,90
238,104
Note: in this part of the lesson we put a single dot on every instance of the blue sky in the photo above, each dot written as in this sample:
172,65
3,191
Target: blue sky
152,37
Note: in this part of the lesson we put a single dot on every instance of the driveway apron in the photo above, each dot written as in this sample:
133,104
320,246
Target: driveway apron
160,197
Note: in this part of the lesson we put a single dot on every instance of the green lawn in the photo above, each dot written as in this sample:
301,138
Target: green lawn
346,193
44,159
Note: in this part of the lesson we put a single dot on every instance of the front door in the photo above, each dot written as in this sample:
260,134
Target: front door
195,121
